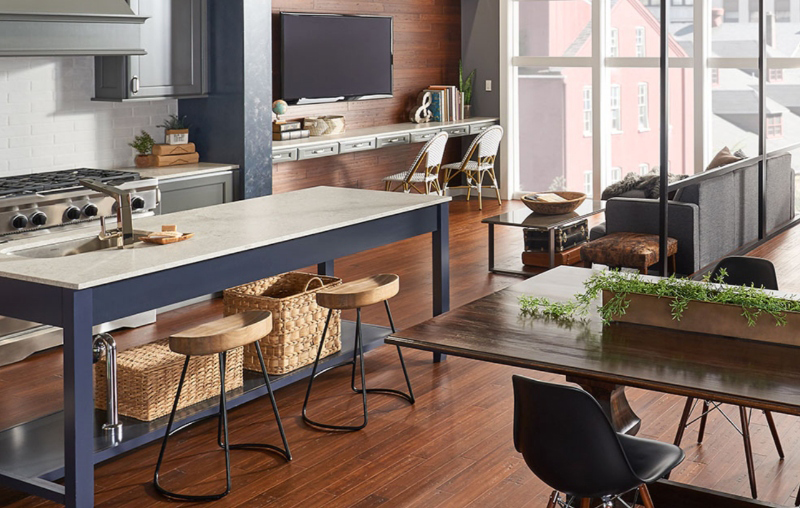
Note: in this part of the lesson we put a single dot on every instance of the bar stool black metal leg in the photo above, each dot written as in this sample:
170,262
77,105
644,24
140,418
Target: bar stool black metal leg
314,374
170,431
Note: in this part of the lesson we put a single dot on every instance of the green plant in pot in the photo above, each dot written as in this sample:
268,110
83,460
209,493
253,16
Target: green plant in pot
465,86
176,130
708,306
143,144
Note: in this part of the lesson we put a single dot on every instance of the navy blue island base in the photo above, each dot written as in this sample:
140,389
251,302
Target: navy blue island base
76,311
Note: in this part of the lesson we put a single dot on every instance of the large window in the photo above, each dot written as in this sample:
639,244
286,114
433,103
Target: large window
643,103
586,87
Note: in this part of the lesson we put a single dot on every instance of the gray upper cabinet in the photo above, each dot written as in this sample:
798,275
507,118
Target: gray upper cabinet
175,38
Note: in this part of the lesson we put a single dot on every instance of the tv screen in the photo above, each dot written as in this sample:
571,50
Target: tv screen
329,57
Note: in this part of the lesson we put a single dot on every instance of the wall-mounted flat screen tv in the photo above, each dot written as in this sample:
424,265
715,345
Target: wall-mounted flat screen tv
329,57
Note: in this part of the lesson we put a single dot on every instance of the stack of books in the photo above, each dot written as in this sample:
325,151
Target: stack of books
286,130
448,103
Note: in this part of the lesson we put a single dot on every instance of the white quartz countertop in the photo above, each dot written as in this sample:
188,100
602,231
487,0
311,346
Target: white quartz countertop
183,170
219,230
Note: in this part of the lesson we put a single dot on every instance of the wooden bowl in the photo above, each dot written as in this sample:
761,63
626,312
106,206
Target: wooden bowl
573,201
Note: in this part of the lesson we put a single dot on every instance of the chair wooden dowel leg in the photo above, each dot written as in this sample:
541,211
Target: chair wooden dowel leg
703,420
687,410
774,430
551,503
748,450
586,502
644,492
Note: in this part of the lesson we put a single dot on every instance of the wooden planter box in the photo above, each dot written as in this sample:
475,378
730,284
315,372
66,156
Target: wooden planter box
711,318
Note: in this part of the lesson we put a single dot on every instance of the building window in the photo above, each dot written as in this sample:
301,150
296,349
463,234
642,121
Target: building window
613,43
644,169
587,111
616,118
714,76
587,182
774,125
615,175
775,75
731,8
640,49
783,11
644,114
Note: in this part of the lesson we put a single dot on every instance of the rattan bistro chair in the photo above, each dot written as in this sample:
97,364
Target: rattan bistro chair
485,146
741,271
568,442
424,170
217,338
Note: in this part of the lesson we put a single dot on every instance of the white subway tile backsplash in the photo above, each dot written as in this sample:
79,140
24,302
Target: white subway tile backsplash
49,122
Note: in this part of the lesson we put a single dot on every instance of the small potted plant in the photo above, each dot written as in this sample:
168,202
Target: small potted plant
176,130
143,144
465,86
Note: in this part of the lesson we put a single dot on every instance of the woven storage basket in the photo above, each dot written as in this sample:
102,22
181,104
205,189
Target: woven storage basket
297,320
148,376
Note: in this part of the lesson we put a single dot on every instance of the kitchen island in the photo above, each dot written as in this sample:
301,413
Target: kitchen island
234,243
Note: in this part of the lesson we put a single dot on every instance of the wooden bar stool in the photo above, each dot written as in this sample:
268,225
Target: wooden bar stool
217,338
355,295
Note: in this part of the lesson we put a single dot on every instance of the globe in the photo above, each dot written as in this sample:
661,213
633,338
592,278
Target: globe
279,107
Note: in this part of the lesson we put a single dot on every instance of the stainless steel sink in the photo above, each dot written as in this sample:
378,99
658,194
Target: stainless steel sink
69,247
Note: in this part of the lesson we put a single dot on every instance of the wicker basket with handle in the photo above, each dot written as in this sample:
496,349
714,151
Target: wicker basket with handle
297,320
148,375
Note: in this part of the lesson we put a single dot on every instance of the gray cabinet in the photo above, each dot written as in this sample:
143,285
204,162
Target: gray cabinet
175,38
191,192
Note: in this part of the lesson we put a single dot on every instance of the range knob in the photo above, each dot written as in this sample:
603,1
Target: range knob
19,221
137,203
90,210
72,213
38,218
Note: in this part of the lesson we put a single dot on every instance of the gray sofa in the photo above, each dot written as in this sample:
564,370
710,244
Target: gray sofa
712,217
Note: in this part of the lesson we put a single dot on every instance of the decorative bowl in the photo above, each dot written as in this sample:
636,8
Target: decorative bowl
573,201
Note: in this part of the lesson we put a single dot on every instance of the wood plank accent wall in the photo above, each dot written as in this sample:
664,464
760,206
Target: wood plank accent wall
427,46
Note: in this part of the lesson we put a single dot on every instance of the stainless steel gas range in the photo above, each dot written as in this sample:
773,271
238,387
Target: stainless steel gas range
33,208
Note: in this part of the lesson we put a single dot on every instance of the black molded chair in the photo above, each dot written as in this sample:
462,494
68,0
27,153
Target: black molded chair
741,271
568,442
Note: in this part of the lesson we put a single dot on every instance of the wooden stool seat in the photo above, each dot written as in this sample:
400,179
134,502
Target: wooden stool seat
629,250
223,334
360,293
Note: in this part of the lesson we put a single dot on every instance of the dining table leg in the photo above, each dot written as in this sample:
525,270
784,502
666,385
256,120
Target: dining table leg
441,266
612,399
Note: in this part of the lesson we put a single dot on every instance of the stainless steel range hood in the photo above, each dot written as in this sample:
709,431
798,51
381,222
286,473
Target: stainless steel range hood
69,27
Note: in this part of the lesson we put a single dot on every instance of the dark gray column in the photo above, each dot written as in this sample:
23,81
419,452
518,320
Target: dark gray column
233,125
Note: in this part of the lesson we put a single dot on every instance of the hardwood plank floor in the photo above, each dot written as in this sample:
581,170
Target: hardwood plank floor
453,448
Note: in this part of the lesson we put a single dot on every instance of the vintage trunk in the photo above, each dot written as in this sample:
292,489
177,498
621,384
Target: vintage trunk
711,318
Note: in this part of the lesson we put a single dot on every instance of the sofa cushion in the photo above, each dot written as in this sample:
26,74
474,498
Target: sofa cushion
723,158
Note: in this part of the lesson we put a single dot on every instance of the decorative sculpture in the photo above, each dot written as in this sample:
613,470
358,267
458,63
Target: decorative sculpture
422,112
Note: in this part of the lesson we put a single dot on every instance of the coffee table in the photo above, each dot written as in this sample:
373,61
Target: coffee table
524,218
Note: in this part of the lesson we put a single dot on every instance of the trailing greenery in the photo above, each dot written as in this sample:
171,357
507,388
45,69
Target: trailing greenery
174,123
143,143
753,301
466,85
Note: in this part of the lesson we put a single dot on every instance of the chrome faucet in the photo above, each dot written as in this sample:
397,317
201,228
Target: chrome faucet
124,231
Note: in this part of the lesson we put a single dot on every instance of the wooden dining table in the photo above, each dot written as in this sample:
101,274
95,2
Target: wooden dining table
604,359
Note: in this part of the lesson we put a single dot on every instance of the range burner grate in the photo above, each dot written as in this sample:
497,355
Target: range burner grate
56,181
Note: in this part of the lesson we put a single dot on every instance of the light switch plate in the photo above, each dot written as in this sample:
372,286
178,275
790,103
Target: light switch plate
488,85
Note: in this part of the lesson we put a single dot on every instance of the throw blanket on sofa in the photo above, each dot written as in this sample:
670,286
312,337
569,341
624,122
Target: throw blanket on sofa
648,184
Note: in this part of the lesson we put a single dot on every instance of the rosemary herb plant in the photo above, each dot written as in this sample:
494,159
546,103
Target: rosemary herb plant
754,301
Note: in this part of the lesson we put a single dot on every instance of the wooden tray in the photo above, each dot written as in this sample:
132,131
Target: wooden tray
166,240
